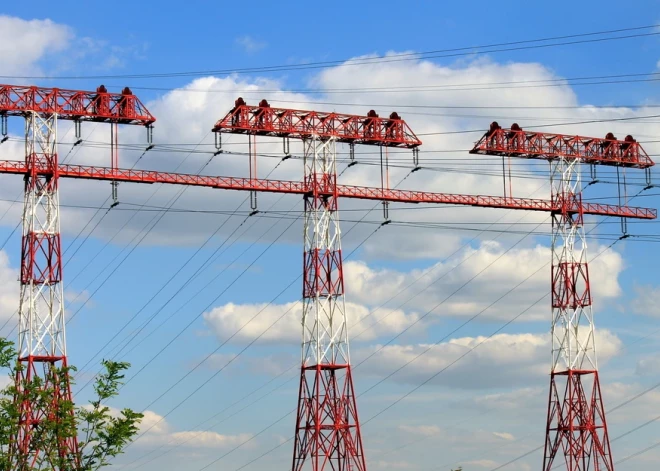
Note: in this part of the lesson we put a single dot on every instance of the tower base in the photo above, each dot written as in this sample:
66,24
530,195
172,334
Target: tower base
576,426
46,435
327,426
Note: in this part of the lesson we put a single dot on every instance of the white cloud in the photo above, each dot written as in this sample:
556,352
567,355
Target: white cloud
203,101
647,300
23,43
158,431
494,271
504,360
424,430
250,44
504,436
282,322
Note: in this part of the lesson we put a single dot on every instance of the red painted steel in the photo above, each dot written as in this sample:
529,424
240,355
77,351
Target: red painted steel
42,343
576,425
344,191
77,105
548,146
267,121
22,454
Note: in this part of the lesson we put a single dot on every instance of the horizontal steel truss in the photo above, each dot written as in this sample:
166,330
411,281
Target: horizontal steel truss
547,146
345,191
74,105
298,124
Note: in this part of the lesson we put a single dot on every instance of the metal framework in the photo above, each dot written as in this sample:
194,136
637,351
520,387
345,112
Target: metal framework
327,425
343,191
266,121
576,426
41,335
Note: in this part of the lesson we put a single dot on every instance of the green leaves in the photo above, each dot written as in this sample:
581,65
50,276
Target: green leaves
102,432
106,435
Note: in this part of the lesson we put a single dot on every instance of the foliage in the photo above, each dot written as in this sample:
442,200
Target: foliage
102,432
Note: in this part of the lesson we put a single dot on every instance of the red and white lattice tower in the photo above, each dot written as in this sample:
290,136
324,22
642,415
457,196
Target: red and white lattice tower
41,335
327,426
327,432
42,354
576,425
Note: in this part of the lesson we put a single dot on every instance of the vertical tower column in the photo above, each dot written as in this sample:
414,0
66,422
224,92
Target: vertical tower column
41,336
576,425
327,426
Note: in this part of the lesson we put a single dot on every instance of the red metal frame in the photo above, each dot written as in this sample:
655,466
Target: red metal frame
74,105
327,428
343,191
22,453
41,335
548,146
281,122
576,426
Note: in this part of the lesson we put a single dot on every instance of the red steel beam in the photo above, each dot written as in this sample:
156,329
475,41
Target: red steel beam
547,146
282,122
76,105
357,192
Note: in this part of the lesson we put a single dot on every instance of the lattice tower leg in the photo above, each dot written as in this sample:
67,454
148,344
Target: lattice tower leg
327,427
576,426
41,337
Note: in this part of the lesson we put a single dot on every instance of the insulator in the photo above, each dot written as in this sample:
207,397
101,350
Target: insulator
649,178
286,146
253,200
115,193
386,211
351,151
3,128
416,158
77,126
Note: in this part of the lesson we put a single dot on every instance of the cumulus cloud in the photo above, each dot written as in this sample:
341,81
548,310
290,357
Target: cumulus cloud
388,301
202,102
158,431
282,323
23,43
504,360
490,270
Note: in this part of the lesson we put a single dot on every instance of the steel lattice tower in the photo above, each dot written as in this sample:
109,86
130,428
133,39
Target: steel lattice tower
576,426
576,423
41,336
327,432
45,434
327,426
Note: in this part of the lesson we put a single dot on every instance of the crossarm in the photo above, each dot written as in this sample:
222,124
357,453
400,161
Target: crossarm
77,105
345,191
547,146
266,121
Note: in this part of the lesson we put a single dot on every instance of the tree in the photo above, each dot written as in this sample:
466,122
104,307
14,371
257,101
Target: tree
102,432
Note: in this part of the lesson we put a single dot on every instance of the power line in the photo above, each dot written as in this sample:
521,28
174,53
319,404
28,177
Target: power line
438,53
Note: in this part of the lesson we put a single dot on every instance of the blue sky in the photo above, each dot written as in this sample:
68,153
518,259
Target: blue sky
485,411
